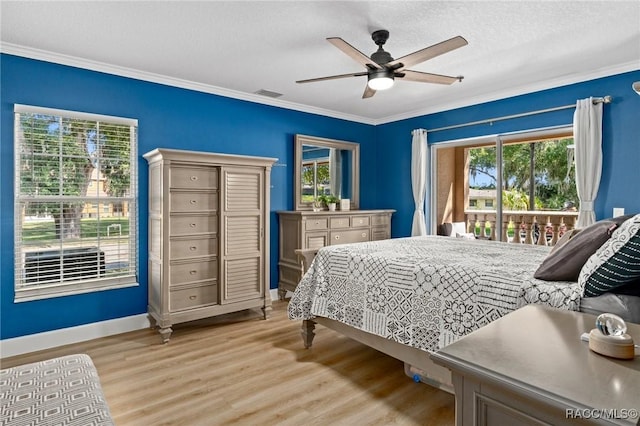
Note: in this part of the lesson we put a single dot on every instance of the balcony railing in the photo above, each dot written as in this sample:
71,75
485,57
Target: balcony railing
523,227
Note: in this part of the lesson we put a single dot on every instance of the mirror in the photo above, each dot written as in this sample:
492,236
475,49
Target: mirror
325,166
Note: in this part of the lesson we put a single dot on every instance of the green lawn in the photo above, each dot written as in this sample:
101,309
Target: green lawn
89,228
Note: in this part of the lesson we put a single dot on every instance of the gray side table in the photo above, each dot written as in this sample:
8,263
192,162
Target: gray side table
531,368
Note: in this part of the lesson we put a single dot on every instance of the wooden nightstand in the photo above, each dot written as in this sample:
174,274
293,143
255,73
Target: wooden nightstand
530,367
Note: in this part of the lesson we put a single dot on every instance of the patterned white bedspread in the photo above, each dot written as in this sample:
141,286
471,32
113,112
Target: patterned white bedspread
425,292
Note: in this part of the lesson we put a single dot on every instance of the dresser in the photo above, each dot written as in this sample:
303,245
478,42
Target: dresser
531,368
313,230
208,235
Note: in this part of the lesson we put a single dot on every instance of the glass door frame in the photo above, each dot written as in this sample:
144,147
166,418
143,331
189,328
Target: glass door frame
499,140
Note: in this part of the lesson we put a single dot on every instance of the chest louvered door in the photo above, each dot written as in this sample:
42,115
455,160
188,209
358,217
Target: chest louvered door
243,234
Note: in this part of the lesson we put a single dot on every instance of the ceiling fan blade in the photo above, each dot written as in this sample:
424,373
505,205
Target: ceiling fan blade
332,77
353,53
368,92
428,53
425,77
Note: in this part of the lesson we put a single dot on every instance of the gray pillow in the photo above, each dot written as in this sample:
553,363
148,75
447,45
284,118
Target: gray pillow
565,263
565,238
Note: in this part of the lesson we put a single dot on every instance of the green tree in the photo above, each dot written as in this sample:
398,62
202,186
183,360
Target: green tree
322,172
482,161
554,176
515,200
58,157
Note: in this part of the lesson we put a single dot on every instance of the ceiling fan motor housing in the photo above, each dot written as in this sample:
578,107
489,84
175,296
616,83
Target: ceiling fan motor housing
381,57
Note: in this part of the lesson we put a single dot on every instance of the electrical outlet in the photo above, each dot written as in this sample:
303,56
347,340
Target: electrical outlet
618,211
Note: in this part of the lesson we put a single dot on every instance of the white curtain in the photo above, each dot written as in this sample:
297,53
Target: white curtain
335,172
587,135
419,180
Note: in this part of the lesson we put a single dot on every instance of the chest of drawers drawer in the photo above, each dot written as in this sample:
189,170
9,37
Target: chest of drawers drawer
184,201
379,220
340,222
194,177
192,247
316,224
186,272
350,236
193,225
186,298
359,221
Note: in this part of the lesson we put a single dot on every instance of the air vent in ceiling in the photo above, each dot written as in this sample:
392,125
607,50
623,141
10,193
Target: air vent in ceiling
268,93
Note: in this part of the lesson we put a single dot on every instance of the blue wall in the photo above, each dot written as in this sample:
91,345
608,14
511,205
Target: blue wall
177,118
620,183
168,117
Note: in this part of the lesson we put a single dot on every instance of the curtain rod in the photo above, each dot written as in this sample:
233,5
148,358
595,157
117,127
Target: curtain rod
603,100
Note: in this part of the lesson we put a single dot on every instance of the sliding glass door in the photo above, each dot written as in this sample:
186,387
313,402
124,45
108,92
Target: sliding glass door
518,187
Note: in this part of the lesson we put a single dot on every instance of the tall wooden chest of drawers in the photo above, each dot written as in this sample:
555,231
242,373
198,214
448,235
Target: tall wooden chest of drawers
208,235
308,230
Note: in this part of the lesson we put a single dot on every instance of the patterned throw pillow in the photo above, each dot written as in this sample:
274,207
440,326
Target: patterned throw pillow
616,263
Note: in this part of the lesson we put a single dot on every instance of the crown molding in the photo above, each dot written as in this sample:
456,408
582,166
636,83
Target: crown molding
73,61
517,91
47,56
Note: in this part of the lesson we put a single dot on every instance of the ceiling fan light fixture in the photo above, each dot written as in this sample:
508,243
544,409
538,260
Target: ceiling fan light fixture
382,69
380,80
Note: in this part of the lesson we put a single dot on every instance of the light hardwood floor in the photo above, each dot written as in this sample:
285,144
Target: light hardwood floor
241,369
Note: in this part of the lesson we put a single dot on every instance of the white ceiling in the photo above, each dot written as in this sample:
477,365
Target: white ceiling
237,48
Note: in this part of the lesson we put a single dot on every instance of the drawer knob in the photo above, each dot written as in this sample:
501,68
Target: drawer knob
364,234
193,297
194,178
361,221
193,248
317,222
193,272
193,225
194,202
337,237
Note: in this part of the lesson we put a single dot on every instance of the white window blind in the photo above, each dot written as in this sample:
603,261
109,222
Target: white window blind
75,202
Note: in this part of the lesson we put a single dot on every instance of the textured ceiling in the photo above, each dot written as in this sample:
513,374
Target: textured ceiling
237,48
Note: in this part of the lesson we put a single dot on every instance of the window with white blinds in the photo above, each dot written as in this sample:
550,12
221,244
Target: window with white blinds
75,202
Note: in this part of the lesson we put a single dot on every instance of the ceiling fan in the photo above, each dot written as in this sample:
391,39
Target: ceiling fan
382,69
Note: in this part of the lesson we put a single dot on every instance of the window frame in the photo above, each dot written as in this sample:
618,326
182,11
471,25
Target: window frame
58,289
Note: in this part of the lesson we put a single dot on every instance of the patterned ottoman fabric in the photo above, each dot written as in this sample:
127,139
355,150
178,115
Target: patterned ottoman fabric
58,391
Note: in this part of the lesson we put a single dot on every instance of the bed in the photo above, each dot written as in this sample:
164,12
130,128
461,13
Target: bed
409,297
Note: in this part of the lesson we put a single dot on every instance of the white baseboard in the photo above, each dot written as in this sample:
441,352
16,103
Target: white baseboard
273,293
65,336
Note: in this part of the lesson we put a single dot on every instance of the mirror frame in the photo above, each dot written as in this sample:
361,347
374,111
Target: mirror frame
328,143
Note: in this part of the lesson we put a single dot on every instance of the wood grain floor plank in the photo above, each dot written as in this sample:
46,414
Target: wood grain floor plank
241,369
